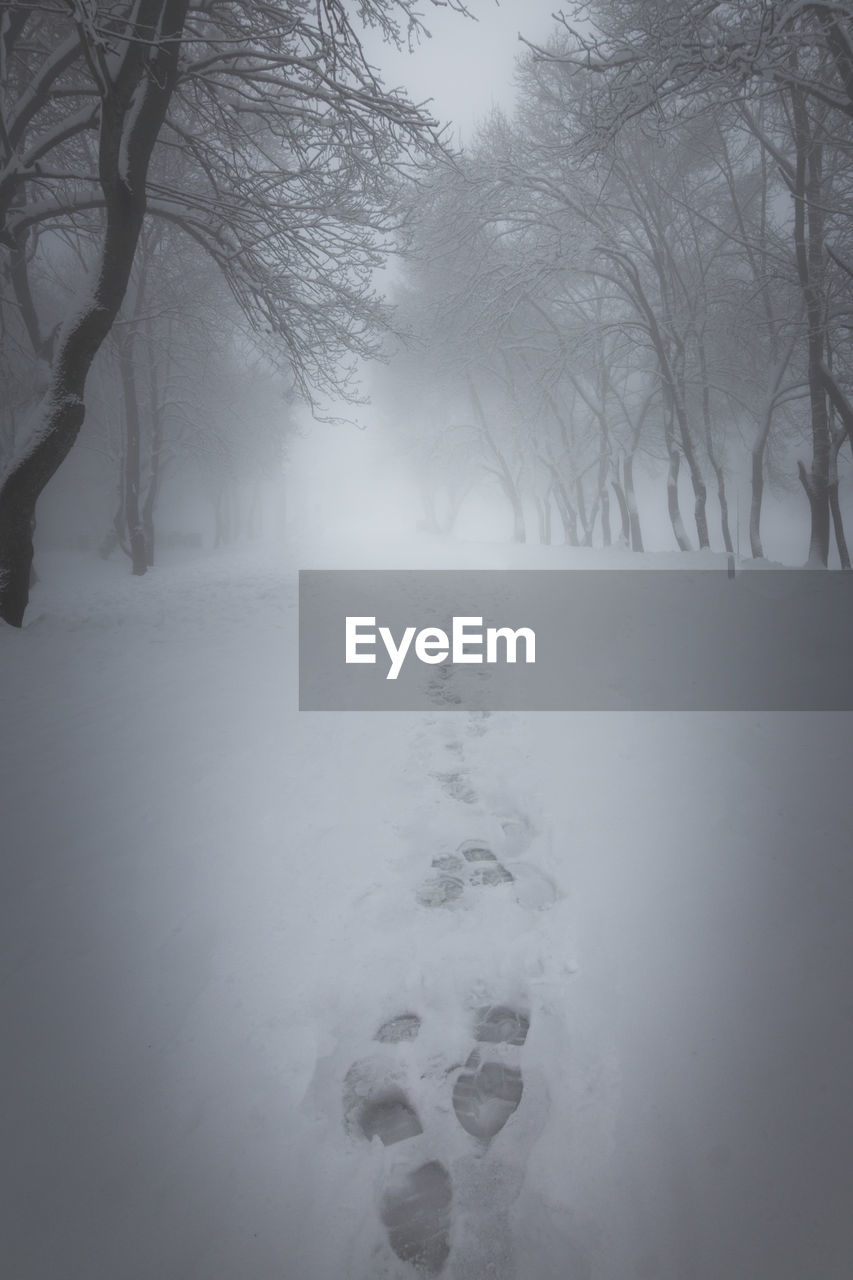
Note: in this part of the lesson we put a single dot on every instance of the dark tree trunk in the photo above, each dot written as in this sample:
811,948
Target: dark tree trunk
114,537
817,491
838,525
673,507
133,107
625,532
700,492
724,508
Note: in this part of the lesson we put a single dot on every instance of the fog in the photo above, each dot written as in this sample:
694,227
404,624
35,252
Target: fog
308,973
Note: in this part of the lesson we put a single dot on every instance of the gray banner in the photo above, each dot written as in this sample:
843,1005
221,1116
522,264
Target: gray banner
599,640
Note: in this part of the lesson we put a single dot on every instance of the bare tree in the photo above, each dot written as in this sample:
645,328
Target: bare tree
286,136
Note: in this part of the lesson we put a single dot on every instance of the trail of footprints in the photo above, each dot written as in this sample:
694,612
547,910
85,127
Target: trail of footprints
415,1207
416,1204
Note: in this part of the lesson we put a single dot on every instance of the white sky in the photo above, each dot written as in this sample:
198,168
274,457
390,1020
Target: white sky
467,66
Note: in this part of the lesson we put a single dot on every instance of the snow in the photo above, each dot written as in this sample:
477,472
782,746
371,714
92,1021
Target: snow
212,903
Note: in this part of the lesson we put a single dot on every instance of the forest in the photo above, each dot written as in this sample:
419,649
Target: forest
642,267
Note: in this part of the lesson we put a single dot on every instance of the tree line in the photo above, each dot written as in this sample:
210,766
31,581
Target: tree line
646,265
648,262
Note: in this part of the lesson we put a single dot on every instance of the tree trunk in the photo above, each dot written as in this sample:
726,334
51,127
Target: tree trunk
673,507
132,452
817,492
604,508
150,503
756,498
625,532
587,518
631,499
543,516
724,508
809,251
716,466
133,106
114,537
603,468
700,492
838,525
837,438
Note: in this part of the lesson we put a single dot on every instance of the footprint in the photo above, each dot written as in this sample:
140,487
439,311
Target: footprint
498,1024
438,891
491,875
473,864
486,869
456,786
441,693
486,1094
405,1026
416,1215
389,1116
415,1208
376,1106
476,851
532,889
448,862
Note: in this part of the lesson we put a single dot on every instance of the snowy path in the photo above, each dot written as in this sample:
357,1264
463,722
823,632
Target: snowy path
243,948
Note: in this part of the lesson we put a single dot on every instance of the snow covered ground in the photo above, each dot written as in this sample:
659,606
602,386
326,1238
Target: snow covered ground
272,1012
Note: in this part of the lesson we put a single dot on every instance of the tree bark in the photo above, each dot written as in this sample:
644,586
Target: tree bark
838,525
716,466
809,251
133,105
672,503
756,498
631,499
132,452
543,515
625,532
